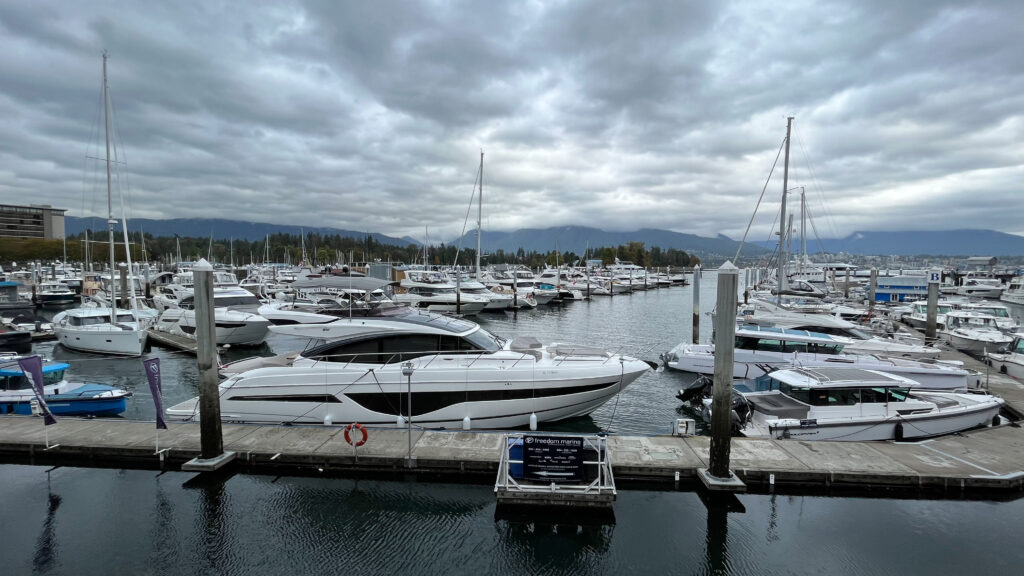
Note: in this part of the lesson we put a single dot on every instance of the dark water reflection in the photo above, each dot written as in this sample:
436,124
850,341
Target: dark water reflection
88,521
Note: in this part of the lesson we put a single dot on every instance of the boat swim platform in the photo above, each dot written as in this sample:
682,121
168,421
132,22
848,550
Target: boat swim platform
173,341
982,462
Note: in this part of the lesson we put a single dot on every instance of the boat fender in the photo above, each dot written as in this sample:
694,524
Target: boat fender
357,426
899,431
996,420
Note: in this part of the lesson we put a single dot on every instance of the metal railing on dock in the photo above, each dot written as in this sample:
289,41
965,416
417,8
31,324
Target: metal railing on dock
555,471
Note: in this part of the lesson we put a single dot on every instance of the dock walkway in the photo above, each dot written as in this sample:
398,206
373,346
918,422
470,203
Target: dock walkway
990,459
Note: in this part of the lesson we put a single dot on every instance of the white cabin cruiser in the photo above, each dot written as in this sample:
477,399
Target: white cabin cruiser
459,375
973,332
91,329
1010,360
850,404
759,350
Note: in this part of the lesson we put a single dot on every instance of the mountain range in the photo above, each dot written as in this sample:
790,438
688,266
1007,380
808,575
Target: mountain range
917,243
579,238
223,229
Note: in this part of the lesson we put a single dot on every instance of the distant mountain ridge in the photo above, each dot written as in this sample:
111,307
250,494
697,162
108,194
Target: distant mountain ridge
579,238
918,243
223,229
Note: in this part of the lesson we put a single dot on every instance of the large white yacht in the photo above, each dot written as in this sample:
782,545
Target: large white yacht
102,330
431,291
457,373
763,313
850,404
234,319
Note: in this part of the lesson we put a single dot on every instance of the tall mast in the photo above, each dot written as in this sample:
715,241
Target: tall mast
803,226
479,216
110,202
783,232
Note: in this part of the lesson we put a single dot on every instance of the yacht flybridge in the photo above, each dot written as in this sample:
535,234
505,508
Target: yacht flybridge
456,373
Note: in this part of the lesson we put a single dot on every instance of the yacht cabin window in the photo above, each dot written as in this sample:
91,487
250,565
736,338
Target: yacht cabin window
847,396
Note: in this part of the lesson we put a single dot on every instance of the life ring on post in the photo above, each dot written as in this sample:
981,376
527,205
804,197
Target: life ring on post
357,426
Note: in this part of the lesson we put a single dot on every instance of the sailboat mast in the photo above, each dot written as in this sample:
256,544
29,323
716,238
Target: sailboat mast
110,202
479,216
803,226
783,256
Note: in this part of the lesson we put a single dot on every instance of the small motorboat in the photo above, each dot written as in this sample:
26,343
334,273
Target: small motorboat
62,397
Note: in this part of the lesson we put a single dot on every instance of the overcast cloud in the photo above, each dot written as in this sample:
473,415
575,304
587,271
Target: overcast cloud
618,115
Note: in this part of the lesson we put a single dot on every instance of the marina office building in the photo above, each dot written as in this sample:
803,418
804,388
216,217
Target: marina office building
37,221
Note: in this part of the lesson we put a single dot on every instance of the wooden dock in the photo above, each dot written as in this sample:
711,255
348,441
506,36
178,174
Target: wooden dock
985,460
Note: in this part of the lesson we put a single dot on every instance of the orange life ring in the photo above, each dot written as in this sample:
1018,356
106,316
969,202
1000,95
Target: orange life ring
358,426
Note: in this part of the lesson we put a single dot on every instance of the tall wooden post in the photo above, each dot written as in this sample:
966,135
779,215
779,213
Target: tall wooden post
931,327
718,476
206,353
872,288
725,334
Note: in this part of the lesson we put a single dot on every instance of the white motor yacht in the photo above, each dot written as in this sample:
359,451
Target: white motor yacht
980,284
918,317
973,332
54,293
1014,293
1009,360
103,330
457,374
849,404
764,313
999,312
235,320
759,350
431,291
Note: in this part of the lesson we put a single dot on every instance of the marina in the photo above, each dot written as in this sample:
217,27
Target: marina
638,427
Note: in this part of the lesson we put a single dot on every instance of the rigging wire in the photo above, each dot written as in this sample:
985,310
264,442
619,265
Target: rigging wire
469,209
763,189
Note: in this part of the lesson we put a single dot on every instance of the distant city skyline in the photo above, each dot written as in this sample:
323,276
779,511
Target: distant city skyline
667,115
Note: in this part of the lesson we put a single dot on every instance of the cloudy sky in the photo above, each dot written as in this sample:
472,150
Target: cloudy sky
618,115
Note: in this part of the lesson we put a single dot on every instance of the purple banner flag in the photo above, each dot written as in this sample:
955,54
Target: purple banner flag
153,375
32,366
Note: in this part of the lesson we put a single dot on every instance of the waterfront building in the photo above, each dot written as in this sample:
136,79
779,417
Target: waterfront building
36,221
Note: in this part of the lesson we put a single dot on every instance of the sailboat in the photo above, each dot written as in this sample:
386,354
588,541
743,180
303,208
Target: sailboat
104,330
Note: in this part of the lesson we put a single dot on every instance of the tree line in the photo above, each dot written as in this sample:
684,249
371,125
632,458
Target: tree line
314,249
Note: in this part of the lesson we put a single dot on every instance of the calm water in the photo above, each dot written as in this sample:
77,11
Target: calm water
86,521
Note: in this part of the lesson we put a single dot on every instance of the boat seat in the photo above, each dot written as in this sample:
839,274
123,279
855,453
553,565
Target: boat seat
778,405
523,343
